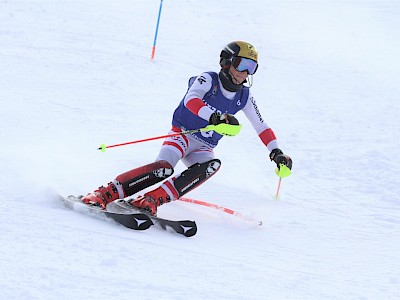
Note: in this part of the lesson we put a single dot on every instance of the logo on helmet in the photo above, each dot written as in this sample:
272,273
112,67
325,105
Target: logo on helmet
252,52
252,55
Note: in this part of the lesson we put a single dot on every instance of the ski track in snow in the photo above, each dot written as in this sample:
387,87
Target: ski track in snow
75,74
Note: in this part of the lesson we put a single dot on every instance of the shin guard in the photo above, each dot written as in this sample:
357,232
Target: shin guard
194,176
140,178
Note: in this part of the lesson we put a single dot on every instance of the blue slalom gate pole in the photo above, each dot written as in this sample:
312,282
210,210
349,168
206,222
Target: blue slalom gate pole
153,51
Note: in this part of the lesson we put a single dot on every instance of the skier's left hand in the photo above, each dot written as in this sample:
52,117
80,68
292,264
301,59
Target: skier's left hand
279,158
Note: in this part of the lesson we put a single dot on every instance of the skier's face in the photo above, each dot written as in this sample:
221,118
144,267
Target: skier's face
238,77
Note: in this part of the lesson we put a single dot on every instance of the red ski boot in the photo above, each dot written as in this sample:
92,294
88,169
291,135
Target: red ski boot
130,183
102,196
151,200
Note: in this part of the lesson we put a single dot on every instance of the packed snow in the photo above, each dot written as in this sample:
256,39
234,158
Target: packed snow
76,74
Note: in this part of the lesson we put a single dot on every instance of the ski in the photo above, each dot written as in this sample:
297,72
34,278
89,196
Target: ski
127,216
184,227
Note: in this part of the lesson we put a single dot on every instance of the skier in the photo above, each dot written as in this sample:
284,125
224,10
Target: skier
211,99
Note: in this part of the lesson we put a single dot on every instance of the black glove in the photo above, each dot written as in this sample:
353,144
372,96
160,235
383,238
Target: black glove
279,158
217,118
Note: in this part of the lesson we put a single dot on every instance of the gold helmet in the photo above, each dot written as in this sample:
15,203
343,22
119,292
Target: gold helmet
241,55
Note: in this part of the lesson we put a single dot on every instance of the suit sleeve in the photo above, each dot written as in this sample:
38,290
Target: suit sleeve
194,97
265,133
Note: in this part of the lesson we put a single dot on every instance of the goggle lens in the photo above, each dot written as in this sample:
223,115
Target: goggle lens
244,64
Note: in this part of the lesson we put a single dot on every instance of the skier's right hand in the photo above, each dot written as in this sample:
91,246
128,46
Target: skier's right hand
216,118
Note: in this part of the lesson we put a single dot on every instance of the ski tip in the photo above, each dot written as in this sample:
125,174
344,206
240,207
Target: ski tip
189,228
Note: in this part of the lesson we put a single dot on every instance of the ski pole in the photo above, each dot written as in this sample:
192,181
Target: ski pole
223,129
279,186
221,208
103,147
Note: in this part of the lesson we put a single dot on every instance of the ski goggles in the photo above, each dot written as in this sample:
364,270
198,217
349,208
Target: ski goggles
244,64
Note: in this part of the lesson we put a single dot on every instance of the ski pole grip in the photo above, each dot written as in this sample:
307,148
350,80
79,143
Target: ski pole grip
102,148
283,171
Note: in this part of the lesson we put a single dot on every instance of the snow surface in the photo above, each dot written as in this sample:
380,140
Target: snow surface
75,74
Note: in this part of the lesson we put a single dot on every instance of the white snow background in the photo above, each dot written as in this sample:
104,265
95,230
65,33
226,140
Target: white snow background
75,74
